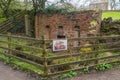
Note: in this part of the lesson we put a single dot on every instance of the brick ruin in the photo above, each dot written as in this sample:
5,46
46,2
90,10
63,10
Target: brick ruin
68,25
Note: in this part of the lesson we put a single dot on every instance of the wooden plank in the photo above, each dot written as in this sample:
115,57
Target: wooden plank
78,69
92,45
89,38
25,60
20,37
9,45
85,53
96,37
31,47
81,61
5,25
86,38
31,71
45,63
95,45
23,53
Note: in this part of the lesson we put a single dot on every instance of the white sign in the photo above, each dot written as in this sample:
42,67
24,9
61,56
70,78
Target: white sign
59,45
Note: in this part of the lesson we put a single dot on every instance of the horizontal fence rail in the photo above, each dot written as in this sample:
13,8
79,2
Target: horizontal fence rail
39,52
86,53
22,59
87,60
31,47
20,37
78,69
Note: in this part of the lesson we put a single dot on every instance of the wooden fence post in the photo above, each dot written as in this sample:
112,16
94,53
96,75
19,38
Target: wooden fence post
27,25
96,49
9,42
45,62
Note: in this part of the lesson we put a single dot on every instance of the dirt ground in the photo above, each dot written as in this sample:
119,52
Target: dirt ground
112,74
7,73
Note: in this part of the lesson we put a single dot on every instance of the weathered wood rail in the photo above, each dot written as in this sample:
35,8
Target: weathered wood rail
51,64
10,23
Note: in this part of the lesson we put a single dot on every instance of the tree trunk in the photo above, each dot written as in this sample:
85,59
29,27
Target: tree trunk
6,14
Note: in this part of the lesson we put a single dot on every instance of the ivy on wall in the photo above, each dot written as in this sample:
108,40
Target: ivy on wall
110,26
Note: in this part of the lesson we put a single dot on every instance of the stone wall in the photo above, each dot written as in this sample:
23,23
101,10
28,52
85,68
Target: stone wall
70,25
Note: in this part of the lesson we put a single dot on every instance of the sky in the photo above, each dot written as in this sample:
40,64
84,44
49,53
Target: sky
76,3
83,3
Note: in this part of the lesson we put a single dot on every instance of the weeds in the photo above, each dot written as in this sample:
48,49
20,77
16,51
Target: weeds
103,67
19,65
86,70
70,74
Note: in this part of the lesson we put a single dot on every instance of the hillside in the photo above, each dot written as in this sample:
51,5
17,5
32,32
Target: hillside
113,14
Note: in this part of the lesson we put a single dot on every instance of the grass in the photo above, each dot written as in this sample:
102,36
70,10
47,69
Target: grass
17,63
113,14
22,65
31,67
21,43
2,20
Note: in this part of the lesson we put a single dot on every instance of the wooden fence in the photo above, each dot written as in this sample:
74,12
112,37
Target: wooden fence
39,52
11,22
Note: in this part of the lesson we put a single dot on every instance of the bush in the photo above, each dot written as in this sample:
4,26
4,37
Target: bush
102,67
2,19
110,26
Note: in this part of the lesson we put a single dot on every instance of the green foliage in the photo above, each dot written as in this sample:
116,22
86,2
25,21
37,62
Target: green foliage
88,49
103,67
9,7
86,70
54,9
116,64
51,55
110,26
8,60
94,22
16,67
102,54
2,19
66,60
45,78
116,52
111,22
20,65
70,74
113,14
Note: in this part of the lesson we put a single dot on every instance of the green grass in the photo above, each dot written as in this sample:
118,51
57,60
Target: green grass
2,20
21,64
22,42
25,65
113,14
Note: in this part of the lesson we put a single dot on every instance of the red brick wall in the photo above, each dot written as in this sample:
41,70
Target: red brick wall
68,21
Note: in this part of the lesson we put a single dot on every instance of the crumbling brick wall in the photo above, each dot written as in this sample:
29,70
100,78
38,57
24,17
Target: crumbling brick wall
71,25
